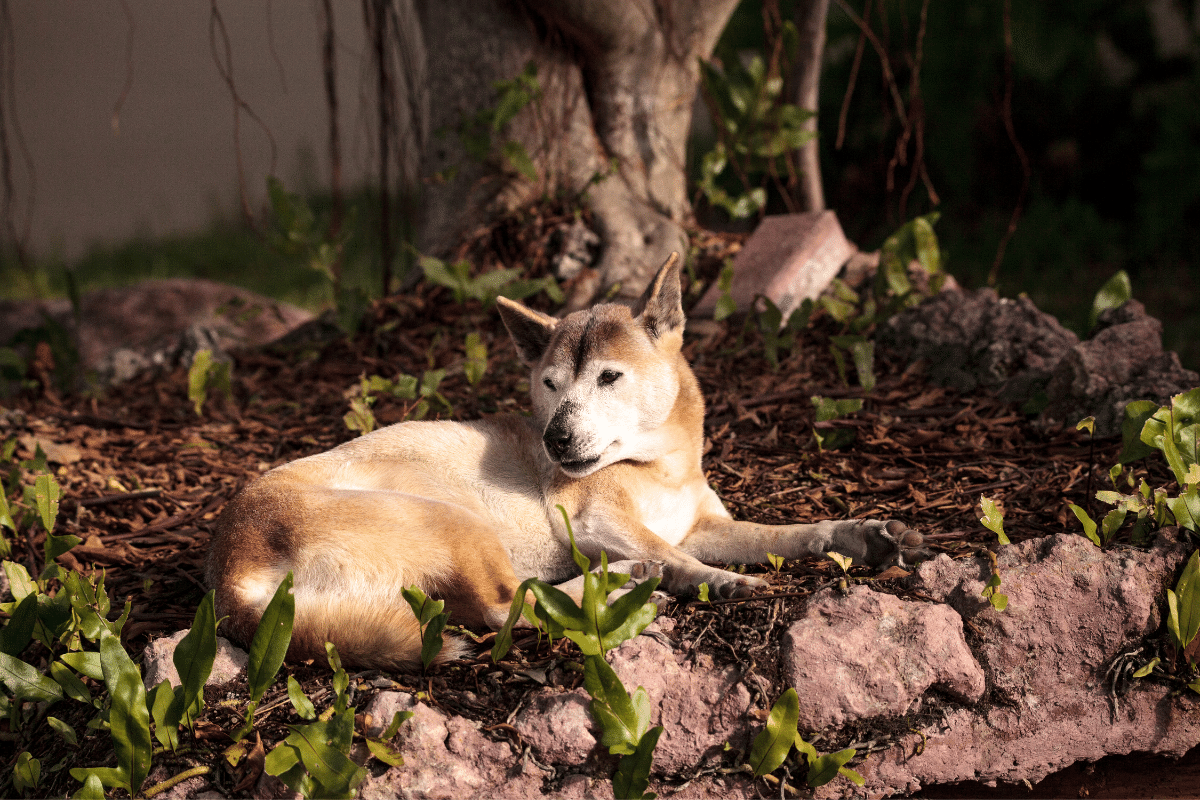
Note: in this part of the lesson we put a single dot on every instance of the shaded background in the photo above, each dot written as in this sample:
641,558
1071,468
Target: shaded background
1105,100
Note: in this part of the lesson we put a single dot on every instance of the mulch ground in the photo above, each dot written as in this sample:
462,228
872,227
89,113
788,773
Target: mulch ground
144,479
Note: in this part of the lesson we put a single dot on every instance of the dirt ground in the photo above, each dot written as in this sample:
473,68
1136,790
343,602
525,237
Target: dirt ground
144,477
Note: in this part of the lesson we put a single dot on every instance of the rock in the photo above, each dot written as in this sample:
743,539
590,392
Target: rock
156,323
788,258
158,664
559,727
1072,609
377,714
447,757
972,339
701,707
1124,360
867,654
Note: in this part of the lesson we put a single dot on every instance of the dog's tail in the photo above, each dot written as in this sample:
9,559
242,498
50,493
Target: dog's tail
367,633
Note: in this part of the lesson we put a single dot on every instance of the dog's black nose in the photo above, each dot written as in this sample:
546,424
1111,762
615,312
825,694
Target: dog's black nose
558,440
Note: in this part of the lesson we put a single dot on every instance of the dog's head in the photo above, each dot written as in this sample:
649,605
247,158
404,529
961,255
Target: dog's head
604,380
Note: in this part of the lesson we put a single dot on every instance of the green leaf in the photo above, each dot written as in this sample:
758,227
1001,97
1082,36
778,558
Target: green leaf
725,303
64,730
1112,523
193,660
70,684
703,592
47,492
1115,292
503,642
1186,608
999,601
26,772
6,520
19,582
518,158
633,771
281,758
1146,668
332,769
842,561
1133,447
1087,424
477,358
17,633
202,362
128,716
25,682
992,518
159,701
771,747
385,753
85,663
1089,525
271,640
829,409
95,779
622,718
300,701
825,768
775,561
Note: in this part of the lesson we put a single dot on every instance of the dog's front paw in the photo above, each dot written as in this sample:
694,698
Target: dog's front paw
638,571
725,585
879,543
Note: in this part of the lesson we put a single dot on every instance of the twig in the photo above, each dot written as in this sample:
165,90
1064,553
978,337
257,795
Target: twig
118,498
159,788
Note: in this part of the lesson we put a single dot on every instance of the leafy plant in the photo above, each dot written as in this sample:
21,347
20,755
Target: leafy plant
1115,292
725,303
862,353
205,375
775,334
362,397
1183,605
772,745
268,648
915,241
512,96
595,627
991,590
489,285
828,410
757,130
477,358
431,618
314,759
993,518
1174,431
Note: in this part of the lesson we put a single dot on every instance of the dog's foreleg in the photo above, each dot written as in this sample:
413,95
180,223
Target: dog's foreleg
875,543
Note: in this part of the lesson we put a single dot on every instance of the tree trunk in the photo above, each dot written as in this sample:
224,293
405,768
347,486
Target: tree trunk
810,24
618,81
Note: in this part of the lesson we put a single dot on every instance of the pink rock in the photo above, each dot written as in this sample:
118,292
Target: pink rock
869,654
788,258
558,726
1072,609
700,706
447,757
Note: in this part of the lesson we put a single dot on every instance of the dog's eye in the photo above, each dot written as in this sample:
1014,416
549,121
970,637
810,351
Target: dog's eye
549,384
608,377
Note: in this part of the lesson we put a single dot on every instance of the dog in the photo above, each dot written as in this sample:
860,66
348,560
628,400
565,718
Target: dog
467,510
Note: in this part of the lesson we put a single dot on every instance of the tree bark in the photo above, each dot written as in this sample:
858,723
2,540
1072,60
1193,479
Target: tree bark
810,24
618,82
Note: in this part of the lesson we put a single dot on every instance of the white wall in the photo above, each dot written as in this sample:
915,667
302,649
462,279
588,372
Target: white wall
171,165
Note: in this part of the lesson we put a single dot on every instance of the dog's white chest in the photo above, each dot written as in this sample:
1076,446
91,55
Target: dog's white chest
671,514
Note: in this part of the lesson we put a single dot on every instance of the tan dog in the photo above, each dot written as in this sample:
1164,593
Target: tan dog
466,510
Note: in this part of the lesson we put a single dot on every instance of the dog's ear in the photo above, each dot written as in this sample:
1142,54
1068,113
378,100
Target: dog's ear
530,330
660,308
